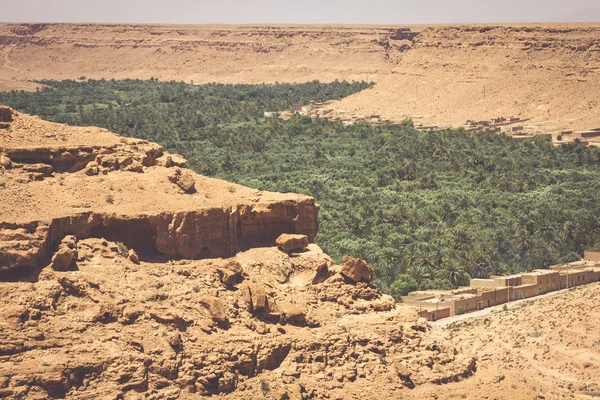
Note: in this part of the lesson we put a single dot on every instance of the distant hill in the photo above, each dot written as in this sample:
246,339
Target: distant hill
547,72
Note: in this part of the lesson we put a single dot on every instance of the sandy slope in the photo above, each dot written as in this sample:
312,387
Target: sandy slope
547,347
227,54
452,74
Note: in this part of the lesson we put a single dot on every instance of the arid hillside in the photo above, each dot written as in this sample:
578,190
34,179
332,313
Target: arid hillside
124,275
452,74
226,54
444,76
545,348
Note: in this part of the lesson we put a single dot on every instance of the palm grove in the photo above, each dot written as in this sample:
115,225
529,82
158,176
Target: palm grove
428,210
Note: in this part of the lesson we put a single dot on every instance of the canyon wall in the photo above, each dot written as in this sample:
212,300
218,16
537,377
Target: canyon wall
202,54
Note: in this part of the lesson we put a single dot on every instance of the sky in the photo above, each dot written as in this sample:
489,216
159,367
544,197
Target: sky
300,11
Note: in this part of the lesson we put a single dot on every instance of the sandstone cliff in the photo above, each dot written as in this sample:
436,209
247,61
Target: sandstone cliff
227,54
123,275
452,74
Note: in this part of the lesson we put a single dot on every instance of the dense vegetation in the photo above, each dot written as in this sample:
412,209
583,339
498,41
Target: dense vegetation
427,209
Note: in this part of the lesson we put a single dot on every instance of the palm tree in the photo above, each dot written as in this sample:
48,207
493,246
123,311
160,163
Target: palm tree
417,272
480,269
453,273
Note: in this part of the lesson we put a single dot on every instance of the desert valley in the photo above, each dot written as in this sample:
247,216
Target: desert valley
128,271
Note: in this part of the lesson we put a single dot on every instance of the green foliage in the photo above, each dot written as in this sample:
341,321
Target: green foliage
438,207
403,286
122,248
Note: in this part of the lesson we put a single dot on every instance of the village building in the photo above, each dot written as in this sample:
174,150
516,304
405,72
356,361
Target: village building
496,290
545,280
496,296
592,255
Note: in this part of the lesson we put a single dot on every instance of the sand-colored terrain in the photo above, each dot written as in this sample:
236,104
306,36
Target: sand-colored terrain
202,54
452,74
124,275
444,76
545,348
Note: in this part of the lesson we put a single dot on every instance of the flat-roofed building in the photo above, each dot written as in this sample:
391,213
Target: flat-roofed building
510,280
592,254
484,283
546,280
525,291
434,314
465,303
494,296
576,277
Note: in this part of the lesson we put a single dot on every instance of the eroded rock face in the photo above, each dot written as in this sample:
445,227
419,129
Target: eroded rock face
80,182
117,283
176,330
66,255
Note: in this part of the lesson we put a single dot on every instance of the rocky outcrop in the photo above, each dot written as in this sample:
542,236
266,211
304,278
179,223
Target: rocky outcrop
176,330
118,283
357,270
198,228
213,232
75,158
66,255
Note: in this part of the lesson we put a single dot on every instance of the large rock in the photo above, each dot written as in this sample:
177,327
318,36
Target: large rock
40,168
66,255
230,273
91,169
216,308
184,180
256,297
171,160
5,162
289,242
294,313
357,270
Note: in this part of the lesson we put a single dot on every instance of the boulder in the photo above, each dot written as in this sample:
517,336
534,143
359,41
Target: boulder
91,169
289,242
216,308
5,162
357,270
133,257
256,297
171,160
135,166
230,273
66,255
293,313
184,180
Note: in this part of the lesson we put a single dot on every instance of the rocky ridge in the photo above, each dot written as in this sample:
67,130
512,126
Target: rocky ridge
452,74
120,282
198,53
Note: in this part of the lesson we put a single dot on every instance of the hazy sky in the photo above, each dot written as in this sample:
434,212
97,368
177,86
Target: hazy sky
299,11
